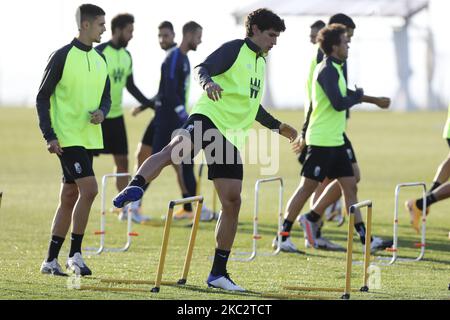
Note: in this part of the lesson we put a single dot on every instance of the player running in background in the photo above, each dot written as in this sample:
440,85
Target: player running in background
326,149
329,192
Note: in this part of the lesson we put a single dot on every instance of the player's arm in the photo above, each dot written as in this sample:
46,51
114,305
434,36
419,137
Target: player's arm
382,102
268,121
138,95
52,75
175,78
328,79
217,63
100,114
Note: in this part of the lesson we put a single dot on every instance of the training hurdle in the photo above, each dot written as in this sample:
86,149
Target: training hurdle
422,243
158,280
256,236
348,269
1,196
102,230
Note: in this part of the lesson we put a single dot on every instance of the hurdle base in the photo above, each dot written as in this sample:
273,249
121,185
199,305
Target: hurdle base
364,289
295,296
325,289
345,296
129,281
182,281
111,289
155,290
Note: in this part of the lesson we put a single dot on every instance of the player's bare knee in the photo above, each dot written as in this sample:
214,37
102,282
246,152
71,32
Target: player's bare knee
89,191
165,155
232,202
69,195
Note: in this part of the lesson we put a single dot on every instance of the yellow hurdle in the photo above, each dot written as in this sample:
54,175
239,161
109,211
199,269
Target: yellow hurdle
349,257
162,257
158,281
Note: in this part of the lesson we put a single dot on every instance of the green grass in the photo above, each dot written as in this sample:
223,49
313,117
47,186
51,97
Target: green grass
390,147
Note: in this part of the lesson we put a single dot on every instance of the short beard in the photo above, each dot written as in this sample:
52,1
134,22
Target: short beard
192,47
122,43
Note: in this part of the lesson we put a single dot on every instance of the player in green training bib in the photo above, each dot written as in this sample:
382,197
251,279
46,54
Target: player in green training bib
120,70
73,99
326,151
232,78
329,197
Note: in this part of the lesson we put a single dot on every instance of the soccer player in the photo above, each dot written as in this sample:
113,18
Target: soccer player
73,99
330,197
440,189
166,40
315,28
326,150
166,37
171,113
233,79
120,69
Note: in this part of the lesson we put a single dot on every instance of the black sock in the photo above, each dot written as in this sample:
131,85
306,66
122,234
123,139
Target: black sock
287,226
54,248
313,216
435,185
145,187
138,181
319,231
361,230
219,267
75,244
430,200
187,206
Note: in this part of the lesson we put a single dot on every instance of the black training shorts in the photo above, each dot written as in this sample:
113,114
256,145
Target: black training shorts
76,163
114,136
147,139
331,162
349,149
223,163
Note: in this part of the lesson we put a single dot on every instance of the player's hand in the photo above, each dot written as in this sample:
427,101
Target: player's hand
298,145
54,147
288,132
213,90
135,111
359,92
97,116
383,102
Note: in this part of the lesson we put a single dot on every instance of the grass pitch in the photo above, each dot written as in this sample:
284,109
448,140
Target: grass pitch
390,147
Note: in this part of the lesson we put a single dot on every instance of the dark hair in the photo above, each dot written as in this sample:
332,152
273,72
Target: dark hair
265,20
166,25
330,36
88,12
319,24
342,19
190,27
121,21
